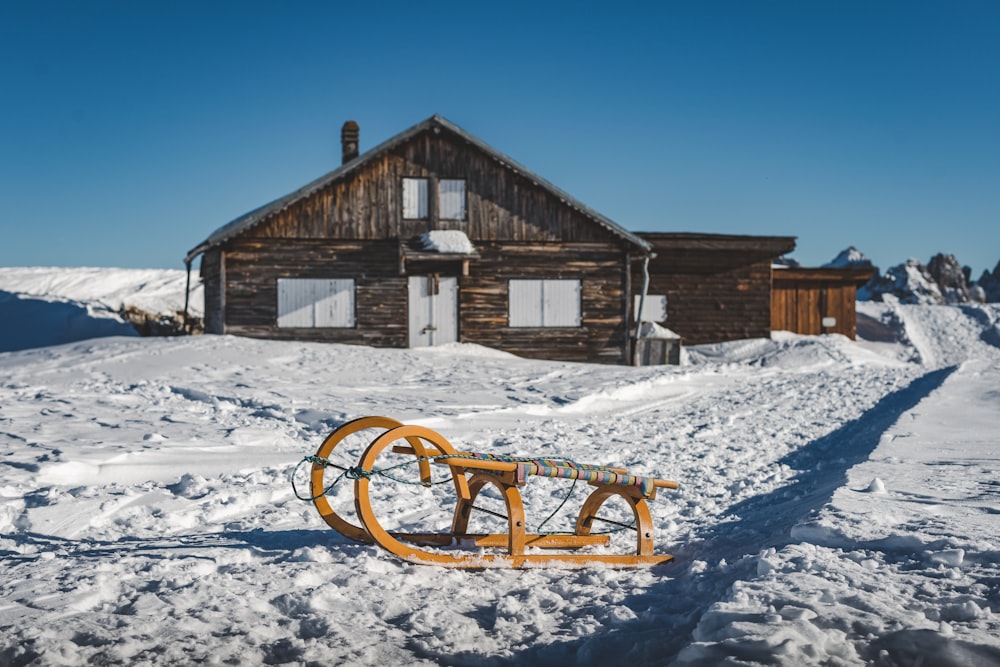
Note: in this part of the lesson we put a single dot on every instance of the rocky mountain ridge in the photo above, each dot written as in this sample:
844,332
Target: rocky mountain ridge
943,280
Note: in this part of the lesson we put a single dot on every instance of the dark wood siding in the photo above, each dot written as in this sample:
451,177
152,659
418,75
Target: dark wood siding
803,297
501,205
253,267
718,287
603,277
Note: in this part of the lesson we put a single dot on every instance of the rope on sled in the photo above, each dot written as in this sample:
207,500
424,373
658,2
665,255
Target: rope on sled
357,472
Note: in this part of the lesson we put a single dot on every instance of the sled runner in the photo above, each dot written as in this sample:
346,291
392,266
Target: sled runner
471,472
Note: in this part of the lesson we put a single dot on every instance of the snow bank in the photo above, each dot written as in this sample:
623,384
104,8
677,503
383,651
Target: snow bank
41,306
154,290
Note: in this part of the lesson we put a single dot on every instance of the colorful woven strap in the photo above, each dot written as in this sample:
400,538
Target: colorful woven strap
566,469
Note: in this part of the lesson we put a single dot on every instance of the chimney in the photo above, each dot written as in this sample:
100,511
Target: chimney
349,141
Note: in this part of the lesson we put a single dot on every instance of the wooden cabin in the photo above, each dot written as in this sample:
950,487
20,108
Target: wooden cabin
355,256
816,301
716,287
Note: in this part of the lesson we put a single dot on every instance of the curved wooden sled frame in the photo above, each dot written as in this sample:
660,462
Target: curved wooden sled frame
429,446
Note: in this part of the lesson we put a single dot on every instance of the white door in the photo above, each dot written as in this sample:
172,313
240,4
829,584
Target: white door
433,310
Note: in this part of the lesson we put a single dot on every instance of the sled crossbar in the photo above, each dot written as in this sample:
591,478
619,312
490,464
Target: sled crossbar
470,473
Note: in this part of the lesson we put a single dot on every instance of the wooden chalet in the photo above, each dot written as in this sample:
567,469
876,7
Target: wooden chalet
816,301
357,256
715,287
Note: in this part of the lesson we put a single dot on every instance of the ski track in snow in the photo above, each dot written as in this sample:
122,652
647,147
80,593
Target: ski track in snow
825,515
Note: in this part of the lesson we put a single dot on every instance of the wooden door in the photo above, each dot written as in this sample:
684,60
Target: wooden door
433,310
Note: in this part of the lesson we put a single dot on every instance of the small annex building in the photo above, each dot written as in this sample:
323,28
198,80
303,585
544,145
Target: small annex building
428,238
815,301
713,287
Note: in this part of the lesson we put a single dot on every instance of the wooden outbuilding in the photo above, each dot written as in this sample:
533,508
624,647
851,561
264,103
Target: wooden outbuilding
715,287
430,237
816,300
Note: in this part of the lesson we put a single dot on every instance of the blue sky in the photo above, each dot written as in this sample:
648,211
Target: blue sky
129,131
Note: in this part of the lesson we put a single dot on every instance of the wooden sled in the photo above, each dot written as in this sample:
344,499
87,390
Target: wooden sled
471,472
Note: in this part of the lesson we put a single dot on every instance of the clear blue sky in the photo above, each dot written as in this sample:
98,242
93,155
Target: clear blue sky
131,130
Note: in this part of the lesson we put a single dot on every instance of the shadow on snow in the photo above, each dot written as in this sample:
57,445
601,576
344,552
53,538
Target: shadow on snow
667,613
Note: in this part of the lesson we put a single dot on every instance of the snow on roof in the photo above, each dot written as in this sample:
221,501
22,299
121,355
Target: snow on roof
654,330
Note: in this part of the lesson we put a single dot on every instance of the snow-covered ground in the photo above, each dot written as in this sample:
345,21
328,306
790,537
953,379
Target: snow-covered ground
838,502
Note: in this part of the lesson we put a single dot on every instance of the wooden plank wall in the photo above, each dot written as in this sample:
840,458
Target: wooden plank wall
254,265
803,297
501,205
602,338
712,295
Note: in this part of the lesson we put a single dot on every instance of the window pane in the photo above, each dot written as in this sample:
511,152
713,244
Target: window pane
451,199
414,198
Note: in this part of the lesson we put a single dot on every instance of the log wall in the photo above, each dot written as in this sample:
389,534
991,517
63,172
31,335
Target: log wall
253,267
603,276
381,306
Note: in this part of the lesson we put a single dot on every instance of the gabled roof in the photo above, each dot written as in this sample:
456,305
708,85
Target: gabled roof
258,215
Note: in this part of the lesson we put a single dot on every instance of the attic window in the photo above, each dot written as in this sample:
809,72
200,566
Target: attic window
415,199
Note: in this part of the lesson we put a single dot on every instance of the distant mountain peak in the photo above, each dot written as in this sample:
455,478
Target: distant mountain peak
850,257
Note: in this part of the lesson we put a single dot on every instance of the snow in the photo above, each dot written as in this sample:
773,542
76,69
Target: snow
42,306
849,257
155,290
837,502
654,330
447,241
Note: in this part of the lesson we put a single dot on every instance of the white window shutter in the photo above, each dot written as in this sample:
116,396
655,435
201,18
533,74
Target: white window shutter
451,199
561,303
524,301
654,308
335,303
295,300
313,303
414,198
